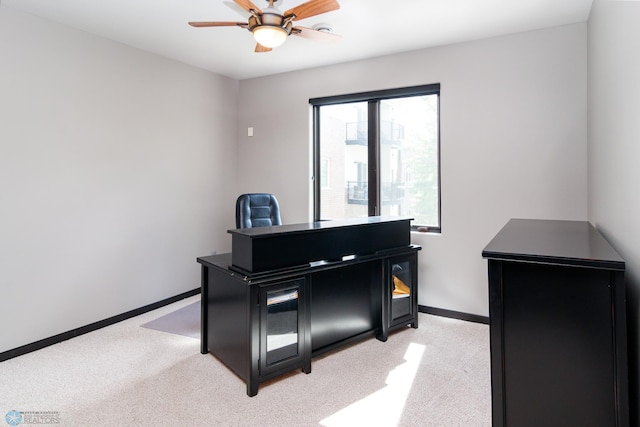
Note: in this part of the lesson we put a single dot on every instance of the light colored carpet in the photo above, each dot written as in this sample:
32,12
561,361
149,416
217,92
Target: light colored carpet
437,375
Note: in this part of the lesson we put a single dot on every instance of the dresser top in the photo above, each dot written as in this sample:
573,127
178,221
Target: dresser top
571,243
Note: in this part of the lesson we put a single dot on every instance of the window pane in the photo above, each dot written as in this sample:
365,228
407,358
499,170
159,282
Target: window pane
404,151
409,158
343,170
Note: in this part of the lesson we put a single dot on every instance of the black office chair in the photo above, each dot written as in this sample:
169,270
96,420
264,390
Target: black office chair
257,210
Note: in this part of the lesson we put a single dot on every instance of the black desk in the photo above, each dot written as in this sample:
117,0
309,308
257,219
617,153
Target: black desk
557,326
275,318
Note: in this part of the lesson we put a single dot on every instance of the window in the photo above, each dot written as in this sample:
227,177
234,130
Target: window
325,168
380,152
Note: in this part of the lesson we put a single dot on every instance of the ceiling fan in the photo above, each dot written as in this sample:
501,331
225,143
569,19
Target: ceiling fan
271,27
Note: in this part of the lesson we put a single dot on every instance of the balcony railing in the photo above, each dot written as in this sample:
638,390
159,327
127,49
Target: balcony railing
358,193
358,132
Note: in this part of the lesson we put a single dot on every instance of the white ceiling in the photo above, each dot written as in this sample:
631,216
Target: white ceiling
368,28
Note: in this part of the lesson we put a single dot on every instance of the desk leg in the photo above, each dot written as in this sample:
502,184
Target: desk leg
252,387
383,335
204,299
306,323
385,306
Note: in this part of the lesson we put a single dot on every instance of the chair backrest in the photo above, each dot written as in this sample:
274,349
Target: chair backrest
257,210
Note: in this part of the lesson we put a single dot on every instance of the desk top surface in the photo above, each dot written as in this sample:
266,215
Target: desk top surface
572,243
222,262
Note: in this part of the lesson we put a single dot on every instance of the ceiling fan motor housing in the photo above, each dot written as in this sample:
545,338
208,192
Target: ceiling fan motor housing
270,20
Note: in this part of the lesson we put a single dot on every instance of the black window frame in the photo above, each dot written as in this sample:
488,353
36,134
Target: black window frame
373,99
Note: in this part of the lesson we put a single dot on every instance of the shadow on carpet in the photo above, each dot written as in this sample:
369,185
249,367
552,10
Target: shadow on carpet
185,321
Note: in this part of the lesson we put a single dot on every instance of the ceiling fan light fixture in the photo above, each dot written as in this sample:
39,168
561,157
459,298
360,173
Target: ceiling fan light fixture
271,27
270,36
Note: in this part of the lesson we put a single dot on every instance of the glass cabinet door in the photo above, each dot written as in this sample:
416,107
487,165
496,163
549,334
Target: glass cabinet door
281,326
402,276
401,288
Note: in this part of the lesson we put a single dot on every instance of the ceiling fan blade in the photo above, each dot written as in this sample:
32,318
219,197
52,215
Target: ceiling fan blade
219,24
248,5
260,48
235,7
321,36
312,8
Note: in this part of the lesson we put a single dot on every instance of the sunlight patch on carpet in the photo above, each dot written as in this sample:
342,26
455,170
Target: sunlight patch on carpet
392,397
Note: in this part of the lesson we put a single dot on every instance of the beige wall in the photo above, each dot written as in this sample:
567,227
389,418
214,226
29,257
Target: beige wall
614,150
114,177
513,142
119,167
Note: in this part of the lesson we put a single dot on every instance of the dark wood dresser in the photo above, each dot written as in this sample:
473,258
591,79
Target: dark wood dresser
557,326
